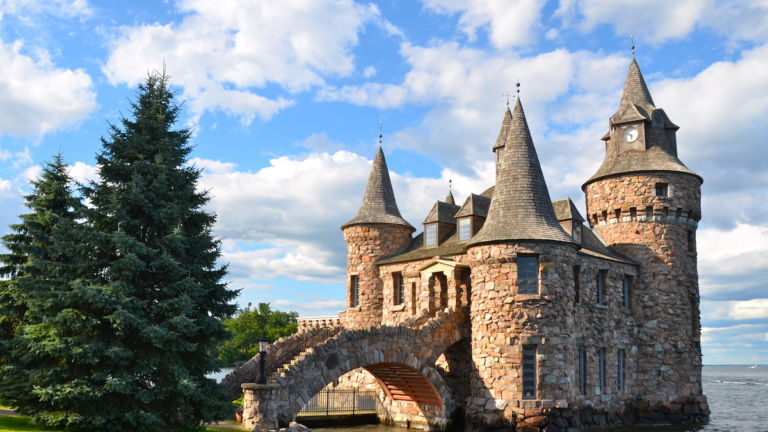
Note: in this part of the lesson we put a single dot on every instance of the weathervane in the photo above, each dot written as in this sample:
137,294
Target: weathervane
518,88
381,135
632,38
506,95
450,184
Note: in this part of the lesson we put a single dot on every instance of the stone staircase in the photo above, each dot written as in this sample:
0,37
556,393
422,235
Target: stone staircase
280,355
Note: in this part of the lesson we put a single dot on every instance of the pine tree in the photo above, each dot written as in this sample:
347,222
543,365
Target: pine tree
157,255
36,269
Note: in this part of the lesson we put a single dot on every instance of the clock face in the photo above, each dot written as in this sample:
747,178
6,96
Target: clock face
631,134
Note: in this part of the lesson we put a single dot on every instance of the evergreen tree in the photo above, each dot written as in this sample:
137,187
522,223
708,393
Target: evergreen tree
156,254
37,270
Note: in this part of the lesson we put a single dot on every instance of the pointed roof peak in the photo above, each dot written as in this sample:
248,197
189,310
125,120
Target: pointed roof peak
520,207
506,120
449,198
379,204
635,90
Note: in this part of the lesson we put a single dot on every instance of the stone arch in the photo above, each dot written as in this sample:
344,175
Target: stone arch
381,350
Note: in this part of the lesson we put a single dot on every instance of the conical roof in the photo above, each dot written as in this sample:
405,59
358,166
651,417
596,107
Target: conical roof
379,205
636,100
520,207
449,198
504,131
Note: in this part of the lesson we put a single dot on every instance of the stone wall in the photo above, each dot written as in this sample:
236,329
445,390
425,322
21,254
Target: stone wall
365,244
659,233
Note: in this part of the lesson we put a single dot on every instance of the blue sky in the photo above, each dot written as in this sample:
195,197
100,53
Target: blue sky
285,99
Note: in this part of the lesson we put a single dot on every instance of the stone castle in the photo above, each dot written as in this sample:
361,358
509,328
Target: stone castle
508,309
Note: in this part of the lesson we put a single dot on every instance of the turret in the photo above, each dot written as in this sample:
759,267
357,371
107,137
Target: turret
645,204
378,230
517,260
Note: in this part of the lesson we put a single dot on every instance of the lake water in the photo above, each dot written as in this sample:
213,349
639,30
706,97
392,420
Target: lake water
738,399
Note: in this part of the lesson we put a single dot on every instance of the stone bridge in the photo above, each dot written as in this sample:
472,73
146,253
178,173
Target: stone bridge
402,358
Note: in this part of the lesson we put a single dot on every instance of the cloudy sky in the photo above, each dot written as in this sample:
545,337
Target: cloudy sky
286,97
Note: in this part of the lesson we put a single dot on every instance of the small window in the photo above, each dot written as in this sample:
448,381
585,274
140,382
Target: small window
527,274
633,213
620,371
430,234
602,275
662,189
399,288
626,285
582,370
354,291
691,241
649,213
529,371
577,283
465,228
617,214
601,368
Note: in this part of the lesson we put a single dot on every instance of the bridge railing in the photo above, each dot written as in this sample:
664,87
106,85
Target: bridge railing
341,401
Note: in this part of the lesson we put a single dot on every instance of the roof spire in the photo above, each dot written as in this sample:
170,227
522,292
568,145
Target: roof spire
379,205
636,101
449,198
520,207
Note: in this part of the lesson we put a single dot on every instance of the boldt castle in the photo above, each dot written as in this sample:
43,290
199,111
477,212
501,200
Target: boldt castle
511,310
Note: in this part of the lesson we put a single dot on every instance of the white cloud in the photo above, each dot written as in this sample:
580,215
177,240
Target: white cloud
37,97
510,22
732,262
83,173
223,51
63,8
657,21
5,186
320,304
737,310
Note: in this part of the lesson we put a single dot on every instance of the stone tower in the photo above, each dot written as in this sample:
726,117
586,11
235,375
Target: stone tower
378,230
519,260
646,204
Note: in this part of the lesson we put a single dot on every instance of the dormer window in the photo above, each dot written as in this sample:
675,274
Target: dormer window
465,228
430,234
577,232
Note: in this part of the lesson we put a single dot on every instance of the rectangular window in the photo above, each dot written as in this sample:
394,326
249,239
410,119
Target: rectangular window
582,370
662,189
577,232
576,283
626,285
601,366
354,291
620,370
399,288
465,228
527,274
602,275
529,371
633,213
430,234
691,241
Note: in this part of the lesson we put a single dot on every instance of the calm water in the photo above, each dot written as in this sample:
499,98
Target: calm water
737,397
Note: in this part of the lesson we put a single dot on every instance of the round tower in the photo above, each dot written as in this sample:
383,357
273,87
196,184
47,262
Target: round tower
377,231
519,305
645,204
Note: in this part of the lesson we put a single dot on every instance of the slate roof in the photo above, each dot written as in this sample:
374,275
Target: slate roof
504,131
565,209
379,205
449,198
636,104
520,208
474,205
442,212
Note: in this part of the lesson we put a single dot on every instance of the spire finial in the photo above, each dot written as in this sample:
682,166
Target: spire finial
632,39
517,84
450,184
506,95
381,135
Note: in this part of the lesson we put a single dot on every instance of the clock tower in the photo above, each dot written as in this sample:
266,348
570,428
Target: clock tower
646,204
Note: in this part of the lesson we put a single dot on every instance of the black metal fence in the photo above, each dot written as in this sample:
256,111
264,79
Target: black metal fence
332,402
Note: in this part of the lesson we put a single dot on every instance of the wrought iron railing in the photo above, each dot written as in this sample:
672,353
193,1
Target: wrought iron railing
333,402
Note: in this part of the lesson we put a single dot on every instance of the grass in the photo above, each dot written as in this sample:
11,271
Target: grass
23,424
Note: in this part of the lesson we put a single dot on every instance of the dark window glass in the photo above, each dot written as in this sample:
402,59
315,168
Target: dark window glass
399,288
620,370
529,371
691,241
527,275
626,285
582,370
600,286
601,366
661,189
354,291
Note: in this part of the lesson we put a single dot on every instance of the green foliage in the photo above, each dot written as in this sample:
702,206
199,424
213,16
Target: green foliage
249,325
121,303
